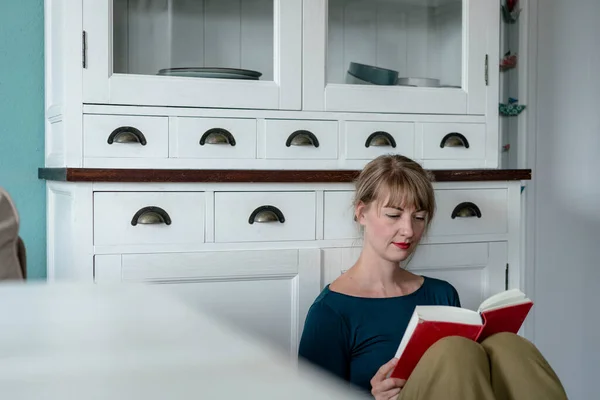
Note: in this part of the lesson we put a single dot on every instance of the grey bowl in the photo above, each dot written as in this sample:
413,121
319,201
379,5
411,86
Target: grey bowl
373,74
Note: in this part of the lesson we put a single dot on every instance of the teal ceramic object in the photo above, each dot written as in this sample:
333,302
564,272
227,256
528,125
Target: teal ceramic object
511,110
373,74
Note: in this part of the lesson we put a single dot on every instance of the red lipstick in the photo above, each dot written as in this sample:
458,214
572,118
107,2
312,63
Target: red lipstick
402,245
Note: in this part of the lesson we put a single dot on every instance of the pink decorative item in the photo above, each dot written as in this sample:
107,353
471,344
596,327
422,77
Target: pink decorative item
508,62
511,11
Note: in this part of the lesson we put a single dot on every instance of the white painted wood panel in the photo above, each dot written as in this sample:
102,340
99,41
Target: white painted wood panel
434,133
54,143
114,214
185,135
394,99
234,209
267,293
338,215
276,114
69,231
62,83
278,132
97,129
357,132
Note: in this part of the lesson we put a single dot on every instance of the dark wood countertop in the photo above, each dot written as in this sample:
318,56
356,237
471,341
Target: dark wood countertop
261,176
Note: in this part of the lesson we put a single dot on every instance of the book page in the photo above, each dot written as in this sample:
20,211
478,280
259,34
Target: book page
511,296
449,314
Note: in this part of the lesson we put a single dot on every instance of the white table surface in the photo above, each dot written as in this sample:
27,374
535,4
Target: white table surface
68,341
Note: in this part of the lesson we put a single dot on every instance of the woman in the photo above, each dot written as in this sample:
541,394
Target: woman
354,326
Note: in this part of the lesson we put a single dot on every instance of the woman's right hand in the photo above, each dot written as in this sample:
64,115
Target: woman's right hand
383,388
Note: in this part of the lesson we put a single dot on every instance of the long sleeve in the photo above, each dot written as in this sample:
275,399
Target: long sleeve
325,340
455,298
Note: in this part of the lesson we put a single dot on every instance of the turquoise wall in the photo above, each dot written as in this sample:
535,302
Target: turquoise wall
22,121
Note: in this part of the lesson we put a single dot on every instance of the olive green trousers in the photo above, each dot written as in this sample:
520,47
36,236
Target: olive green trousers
504,366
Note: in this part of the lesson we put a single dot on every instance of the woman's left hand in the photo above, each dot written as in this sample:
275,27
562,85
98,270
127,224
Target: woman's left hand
383,388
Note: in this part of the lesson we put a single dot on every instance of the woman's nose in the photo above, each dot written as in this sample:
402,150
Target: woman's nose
406,228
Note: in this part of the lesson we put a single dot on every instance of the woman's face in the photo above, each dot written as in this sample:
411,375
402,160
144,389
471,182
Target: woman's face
392,232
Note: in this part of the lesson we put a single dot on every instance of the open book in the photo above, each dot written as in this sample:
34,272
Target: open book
503,312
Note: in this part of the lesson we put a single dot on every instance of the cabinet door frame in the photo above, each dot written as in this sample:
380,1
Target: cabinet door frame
301,267
101,86
476,97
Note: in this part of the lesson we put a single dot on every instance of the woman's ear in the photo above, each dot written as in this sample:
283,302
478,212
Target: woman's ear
359,213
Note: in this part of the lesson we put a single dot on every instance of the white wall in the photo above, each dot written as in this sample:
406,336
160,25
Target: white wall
567,192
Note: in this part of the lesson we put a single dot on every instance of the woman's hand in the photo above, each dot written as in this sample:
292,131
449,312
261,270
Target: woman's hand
386,388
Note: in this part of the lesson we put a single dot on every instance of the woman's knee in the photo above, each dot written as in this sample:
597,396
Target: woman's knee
453,351
457,346
507,340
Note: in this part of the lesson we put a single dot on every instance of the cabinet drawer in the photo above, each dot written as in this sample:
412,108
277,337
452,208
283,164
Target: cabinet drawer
459,212
470,212
298,139
264,216
233,138
453,141
127,218
125,136
368,140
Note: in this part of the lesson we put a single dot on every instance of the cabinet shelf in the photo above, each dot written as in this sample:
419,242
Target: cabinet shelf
258,176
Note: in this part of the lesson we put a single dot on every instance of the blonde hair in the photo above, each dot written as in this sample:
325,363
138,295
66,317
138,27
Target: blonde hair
399,182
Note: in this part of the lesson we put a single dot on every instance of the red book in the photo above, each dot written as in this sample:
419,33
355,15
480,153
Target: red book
503,312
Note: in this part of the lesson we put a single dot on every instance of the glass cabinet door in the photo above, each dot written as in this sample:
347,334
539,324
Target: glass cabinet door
203,53
414,56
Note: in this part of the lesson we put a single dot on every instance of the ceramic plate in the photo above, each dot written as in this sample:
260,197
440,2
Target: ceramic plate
218,73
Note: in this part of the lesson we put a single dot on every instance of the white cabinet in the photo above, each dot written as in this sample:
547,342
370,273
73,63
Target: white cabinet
408,56
261,71
257,255
235,90
200,53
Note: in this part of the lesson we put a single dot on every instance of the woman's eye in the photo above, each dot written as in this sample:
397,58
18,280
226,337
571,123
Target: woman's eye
392,215
420,218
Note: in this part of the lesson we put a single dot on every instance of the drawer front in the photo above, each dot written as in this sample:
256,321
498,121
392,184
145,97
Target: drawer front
339,216
258,216
443,141
125,136
470,212
490,204
301,139
228,138
368,140
128,218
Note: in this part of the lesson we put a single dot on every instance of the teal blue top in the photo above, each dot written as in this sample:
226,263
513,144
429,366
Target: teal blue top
352,337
